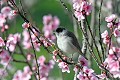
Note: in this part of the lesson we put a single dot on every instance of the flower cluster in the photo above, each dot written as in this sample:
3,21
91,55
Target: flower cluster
82,8
37,43
112,61
4,60
85,73
64,66
44,69
23,75
113,26
2,43
4,57
6,14
12,41
27,41
50,24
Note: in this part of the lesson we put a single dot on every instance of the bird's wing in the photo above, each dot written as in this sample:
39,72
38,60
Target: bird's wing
74,41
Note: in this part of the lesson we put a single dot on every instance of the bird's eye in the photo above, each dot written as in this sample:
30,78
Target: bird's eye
60,29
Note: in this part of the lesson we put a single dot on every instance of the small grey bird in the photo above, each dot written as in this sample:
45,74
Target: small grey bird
67,42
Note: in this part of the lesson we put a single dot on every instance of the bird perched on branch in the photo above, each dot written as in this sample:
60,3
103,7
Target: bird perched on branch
67,42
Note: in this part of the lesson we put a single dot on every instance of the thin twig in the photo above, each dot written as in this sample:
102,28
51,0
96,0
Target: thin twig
19,61
38,72
93,39
26,59
100,41
84,46
93,27
10,59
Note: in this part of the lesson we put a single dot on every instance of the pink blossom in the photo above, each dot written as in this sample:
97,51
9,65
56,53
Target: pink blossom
51,64
104,34
12,41
27,70
82,8
116,32
82,76
4,57
47,19
115,49
36,45
47,34
2,42
87,7
87,70
83,61
116,74
111,51
109,58
44,67
11,15
56,23
6,10
105,37
25,25
94,78
118,24
54,58
110,25
23,75
44,70
44,78
109,4
3,72
19,75
2,20
76,68
41,60
45,42
79,15
27,41
30,56
87,74
64,67
25,35
55,52
13,12
4,27
110,18
76,6
27,45
102,76
50,24
106,40
114,65
77,1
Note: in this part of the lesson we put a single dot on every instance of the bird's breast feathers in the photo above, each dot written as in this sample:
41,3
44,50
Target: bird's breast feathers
65,45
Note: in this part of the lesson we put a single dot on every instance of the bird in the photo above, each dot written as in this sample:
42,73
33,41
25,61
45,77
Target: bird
67,42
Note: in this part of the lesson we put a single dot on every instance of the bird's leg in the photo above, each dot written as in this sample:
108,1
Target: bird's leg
71,59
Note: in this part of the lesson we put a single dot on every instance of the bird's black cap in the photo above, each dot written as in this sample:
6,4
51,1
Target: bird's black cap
60,29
